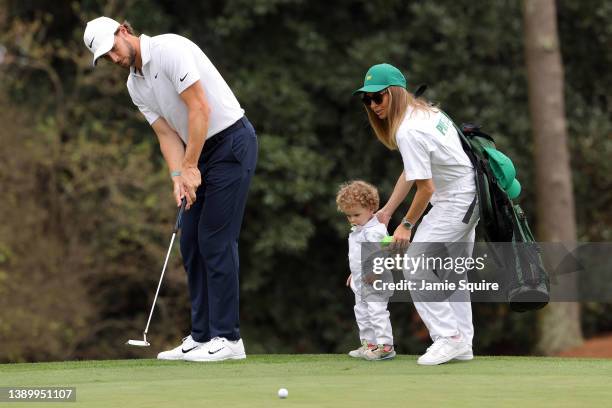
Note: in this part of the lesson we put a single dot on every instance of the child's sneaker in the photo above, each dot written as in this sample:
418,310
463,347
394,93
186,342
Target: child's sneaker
382,352
360,352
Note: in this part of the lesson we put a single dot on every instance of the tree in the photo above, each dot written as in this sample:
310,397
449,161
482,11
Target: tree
559,322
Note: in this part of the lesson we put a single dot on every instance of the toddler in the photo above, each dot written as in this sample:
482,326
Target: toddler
359,201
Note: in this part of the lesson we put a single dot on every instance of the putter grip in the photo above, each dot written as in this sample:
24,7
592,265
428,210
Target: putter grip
179,217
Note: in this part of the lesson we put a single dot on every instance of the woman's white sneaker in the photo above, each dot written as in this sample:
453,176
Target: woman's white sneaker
179,353
218,349
443,350
468,355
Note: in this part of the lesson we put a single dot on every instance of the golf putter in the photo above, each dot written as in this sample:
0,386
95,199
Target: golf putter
177,226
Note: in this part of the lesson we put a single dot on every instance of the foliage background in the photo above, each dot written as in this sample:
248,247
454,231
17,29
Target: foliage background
86,210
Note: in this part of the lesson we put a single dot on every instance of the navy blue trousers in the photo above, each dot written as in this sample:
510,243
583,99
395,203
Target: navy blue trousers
210,230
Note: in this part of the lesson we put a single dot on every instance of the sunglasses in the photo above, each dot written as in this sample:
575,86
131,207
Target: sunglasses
377,98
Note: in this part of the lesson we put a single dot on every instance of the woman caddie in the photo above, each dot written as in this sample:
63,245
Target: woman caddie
435,162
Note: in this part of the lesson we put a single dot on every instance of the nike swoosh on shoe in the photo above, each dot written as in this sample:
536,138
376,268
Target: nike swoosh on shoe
216,351
187,351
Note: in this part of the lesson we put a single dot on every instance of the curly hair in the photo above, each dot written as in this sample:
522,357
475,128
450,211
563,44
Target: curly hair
357,192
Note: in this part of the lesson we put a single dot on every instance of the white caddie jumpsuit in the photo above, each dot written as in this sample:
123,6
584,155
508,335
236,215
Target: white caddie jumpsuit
372,316
431,149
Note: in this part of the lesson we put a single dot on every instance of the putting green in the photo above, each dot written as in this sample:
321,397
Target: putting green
323,381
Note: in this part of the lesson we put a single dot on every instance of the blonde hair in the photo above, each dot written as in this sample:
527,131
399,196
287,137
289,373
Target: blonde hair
399,102
357,192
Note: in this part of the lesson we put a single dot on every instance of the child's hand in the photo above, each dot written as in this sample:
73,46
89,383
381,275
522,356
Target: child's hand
348,280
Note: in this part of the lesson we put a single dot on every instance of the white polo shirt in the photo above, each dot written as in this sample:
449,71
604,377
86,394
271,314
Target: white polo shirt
431,149
170,64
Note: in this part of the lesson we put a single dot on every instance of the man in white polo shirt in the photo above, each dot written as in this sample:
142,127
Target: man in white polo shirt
202,133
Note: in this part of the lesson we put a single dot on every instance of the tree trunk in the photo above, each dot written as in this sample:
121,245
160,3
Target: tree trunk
559,322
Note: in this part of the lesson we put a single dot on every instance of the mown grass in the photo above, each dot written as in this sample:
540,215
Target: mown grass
323,381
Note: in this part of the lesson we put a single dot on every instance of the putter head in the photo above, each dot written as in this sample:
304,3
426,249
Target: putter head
138,343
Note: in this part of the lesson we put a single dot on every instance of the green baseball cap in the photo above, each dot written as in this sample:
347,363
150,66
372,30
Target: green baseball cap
381,76
504,171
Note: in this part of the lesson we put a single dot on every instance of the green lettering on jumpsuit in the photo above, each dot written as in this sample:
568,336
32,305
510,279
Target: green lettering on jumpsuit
442,125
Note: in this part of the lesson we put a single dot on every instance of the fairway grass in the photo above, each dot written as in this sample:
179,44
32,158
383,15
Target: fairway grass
322,381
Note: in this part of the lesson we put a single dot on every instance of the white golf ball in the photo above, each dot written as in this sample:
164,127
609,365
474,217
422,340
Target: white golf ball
283,393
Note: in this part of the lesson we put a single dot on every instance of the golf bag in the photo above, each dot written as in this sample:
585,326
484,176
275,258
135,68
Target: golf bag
502,221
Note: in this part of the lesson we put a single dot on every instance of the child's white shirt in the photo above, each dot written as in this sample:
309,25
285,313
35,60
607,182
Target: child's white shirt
372,231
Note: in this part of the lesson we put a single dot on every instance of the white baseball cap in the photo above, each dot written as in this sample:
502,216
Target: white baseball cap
99,36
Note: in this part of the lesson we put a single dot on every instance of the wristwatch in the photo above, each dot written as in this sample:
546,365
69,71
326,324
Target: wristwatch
407,224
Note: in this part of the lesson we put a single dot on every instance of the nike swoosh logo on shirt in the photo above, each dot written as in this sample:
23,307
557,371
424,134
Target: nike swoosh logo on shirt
187,351
156,75
184,77
216,351
91,43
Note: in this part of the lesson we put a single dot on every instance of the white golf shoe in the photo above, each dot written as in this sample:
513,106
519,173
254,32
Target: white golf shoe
468,355
179,353
218,349
443,350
